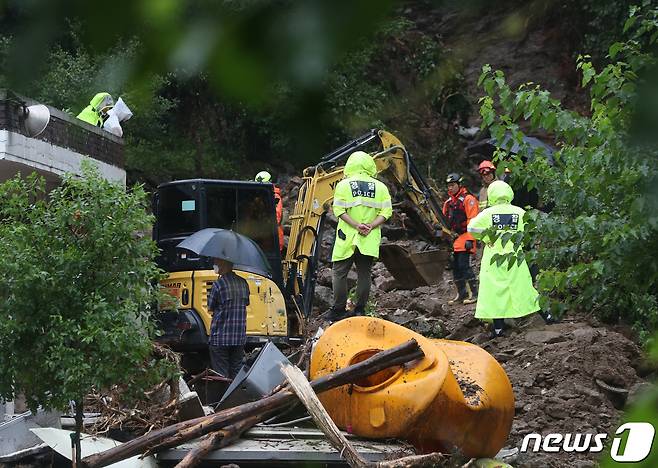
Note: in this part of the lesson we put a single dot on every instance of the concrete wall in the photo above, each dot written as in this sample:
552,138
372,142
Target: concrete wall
59,149
19,153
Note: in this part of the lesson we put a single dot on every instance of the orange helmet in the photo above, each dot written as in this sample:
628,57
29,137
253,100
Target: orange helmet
486,166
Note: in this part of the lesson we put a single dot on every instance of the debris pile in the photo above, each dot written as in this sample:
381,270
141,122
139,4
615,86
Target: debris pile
156,408
227,425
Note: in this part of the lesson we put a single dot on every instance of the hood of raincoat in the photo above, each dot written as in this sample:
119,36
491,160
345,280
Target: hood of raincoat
499,192
360,162
97,102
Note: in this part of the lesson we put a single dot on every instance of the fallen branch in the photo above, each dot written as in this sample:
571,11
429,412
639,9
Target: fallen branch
214,440
176,434
305,393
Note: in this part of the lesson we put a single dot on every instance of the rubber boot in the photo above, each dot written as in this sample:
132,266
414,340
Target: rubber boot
461,292
472,291
548,317
498,328
334,315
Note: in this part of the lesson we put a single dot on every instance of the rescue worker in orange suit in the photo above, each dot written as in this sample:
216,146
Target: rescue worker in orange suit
459,209
266,177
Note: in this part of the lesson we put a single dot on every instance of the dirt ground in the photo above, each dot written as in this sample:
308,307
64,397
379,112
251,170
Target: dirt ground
573,376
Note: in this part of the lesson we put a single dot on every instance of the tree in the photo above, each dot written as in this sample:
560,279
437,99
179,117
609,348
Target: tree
595,246
79,283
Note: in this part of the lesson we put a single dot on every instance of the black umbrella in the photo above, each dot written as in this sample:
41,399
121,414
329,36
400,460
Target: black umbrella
241,251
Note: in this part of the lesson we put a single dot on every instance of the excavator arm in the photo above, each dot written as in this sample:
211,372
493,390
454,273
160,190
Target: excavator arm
316,196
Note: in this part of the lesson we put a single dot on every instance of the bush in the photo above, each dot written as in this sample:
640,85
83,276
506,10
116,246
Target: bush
78,282
595,246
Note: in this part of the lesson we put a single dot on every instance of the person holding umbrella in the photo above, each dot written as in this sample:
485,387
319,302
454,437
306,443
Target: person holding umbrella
229,296
227,300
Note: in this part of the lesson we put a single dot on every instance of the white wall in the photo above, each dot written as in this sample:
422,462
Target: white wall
20,153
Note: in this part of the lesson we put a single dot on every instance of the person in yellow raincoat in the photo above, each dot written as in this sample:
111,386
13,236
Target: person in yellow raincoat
361,204
96,112
505,292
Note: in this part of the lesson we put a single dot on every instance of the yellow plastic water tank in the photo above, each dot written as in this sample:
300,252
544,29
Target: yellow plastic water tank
457,396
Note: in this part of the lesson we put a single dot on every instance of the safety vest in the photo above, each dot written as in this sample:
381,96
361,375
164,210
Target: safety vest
455,211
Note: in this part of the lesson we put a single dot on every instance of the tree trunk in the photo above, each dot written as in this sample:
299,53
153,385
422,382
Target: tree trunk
178,433
76,456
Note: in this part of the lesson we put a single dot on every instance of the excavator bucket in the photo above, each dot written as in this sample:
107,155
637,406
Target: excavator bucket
412,270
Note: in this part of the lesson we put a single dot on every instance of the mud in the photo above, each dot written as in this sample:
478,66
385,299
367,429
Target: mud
577,375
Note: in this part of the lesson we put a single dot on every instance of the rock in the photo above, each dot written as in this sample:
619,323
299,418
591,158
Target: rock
402,316
389,285
394,300
543,337
557,412
324,277
583,464
585,335
323,297
427,305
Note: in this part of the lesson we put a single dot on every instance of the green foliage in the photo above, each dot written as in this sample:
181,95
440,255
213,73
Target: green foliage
79,283
592,246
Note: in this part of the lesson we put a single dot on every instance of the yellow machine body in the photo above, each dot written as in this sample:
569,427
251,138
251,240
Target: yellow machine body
457,396
266,312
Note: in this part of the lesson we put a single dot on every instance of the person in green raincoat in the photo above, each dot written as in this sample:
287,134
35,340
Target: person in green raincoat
96,112
505,292
361,204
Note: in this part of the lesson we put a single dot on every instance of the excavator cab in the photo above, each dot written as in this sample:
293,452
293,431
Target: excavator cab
184,207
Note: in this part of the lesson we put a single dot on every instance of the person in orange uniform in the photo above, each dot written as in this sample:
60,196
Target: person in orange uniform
266,177
487,172
460,207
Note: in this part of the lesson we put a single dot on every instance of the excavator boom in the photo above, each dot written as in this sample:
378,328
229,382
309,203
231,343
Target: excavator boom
411,193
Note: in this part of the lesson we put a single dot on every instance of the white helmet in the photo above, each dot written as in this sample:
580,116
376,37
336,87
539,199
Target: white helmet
263,176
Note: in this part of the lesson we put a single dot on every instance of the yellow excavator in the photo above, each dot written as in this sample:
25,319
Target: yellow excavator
282,298
456,396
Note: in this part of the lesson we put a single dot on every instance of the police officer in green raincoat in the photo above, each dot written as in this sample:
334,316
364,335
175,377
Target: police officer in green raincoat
361,204
505,292
96,112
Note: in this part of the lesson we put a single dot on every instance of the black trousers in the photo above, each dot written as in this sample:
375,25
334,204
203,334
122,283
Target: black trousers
461,267
226,360
340,270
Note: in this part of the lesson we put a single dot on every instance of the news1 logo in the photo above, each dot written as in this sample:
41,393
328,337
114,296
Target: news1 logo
638,438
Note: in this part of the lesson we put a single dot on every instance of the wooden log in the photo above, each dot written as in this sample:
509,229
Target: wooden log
217,439
267,406
305,393
187,430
